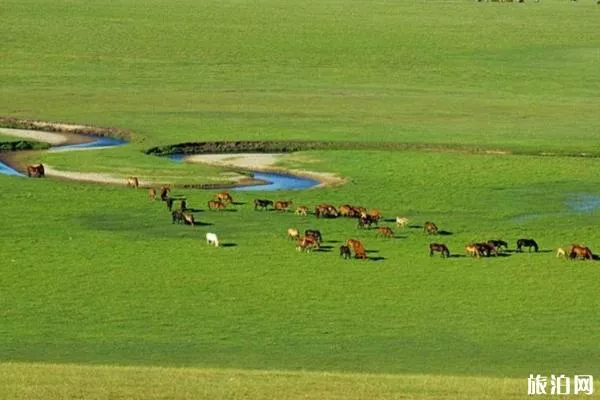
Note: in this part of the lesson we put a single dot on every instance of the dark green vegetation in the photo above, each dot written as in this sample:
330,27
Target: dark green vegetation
96,274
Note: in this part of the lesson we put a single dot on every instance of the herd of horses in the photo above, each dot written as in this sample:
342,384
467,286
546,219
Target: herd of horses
312,239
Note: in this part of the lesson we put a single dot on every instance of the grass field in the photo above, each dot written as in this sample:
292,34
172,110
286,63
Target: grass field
102,297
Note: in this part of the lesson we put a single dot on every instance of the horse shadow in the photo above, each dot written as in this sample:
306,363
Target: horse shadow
194,210
445,233
595,257
389,220
545,251
332,241
229,210
200,223
324,249
415,226
399,237
378,258
238,203
456,256
372,251
228,245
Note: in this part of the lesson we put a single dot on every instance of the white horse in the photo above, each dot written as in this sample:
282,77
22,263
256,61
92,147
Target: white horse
401,222
211,238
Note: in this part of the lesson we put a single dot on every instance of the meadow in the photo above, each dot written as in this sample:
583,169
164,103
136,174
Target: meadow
102,296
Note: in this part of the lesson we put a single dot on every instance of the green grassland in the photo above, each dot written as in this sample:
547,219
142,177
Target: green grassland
101,294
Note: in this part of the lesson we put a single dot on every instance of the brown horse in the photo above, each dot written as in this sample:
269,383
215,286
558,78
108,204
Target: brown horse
326,210
215,204
580,251
346,210
133,182
439,247
366,220
430,227
36,171
307,243
282,205
385,232
487,249
152,194
358,248
224,197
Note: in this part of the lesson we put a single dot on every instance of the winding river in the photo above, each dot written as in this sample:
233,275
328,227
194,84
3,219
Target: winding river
274,181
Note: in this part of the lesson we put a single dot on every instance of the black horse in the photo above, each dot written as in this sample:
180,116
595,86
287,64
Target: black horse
527,243
314,233
177,216
262,204
345,252
169,202
442,248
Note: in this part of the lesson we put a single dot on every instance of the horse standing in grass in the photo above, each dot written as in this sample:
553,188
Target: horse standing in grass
430,227
283,205
385,232
580,251
472,250
164,193
499,244
224,197
302,210
439,247
314,233
212,239
215,204
402,222
345,252
292,233
152,194
526,243
36,171
262,204
358,248
133,182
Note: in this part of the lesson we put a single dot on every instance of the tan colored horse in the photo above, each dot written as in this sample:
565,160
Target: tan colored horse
152,194
224,197
215,204
402,222
133,182
473,250
302,210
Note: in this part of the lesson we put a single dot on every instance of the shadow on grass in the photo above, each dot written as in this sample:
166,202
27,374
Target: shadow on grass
378,258
238,203
372,251
457,256
445,233
228,245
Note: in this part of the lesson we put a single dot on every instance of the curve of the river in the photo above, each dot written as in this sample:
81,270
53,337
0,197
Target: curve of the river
275,181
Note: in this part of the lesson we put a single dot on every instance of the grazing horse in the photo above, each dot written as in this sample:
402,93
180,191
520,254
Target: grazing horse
188,219
292,233
385,232
283,205
580,251
442,248
326,210
498,244
262,204
152,194
347,210
36,171
358,248
472,250
345,252
307,243
133,182
527,243
224,197
314,233
430,227
164,193
211,238
487,249
177,216
402,222
212,204
366,220
302,210
375,213
169,203
560,252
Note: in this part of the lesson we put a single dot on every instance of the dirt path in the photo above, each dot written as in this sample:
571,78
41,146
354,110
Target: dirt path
53,138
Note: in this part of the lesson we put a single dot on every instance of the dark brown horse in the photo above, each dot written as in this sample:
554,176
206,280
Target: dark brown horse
314,233
36,171
164,192
527,243
345,252
439,247
366,220
499,244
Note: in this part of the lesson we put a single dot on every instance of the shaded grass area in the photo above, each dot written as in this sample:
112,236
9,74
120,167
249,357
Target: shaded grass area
25,381
113,281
